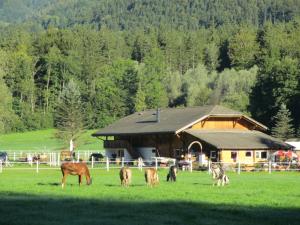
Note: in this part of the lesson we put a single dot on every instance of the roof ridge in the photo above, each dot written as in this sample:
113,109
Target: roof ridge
213,108
174,108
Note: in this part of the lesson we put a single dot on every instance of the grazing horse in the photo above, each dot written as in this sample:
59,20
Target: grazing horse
172,174
219,175
125,176
151,177
79,169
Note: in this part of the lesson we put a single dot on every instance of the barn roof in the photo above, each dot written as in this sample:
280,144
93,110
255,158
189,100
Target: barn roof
238,140
171,120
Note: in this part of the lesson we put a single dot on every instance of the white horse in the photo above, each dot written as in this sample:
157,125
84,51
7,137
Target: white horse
219,175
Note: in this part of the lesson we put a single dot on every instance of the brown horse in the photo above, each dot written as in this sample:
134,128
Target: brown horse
125,176
75,169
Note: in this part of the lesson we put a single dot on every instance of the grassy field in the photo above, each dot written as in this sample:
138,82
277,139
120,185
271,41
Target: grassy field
46,140
251,198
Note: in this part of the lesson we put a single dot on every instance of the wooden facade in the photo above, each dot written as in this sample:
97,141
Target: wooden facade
172,132
175,146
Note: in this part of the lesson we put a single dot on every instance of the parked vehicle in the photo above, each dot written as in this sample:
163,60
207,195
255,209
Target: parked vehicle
97,156
3,156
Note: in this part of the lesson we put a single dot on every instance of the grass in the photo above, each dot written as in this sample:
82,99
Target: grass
251,198
46,140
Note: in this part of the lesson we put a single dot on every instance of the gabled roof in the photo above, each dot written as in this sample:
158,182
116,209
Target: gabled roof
172,120
239,139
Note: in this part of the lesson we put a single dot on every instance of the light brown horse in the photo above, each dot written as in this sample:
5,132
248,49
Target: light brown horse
151,177
125,176
79,169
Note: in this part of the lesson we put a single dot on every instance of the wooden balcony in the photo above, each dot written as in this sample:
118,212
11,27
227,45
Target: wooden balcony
121,144
116,144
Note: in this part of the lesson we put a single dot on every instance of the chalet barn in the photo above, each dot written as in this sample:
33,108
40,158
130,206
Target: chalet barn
199,133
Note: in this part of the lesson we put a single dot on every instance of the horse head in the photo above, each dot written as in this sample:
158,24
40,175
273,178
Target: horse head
89,182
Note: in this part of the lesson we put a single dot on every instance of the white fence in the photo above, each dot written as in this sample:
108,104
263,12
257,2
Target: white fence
53,162
22,155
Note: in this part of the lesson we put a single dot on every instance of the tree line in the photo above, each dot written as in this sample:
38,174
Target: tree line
251,66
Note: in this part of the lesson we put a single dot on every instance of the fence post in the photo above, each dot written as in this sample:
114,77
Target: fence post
50,159
14,156
140,163
209,170
191,165
54,159
1,166
156,164
92,161
37,166
6,161
239,167
107,164
122,163
78,156
270,166
58,159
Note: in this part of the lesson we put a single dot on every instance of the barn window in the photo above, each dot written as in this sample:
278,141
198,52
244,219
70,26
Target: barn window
233,155
263,155
248,154
213,154
257,155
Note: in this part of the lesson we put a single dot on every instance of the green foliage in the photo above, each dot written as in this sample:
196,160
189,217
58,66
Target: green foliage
196,86
140,98
128,56
283,127
68,113
232,88
124,14
243,48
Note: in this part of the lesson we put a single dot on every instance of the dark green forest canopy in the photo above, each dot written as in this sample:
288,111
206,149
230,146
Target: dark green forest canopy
128,14
130,55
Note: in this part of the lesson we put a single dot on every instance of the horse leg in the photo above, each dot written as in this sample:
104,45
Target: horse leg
223,180
79,180
63,182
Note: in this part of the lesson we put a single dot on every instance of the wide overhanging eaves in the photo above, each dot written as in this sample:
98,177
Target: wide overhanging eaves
104,134
239,140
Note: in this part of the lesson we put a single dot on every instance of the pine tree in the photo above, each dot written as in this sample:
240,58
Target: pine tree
139,101
68,115
283,124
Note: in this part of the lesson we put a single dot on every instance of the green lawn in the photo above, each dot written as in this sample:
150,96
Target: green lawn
251,198
46,140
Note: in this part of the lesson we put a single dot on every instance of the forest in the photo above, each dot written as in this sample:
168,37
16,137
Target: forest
122,56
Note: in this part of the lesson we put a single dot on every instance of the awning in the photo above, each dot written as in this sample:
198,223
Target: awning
239,140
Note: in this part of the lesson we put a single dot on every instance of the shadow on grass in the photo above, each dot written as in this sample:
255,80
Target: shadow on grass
119,185
35,210
203,184
51,184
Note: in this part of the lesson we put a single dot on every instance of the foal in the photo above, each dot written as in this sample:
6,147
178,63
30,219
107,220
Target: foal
79,169
219,175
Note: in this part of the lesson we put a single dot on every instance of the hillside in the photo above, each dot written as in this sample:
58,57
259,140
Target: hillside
129,14
45,140
123,56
